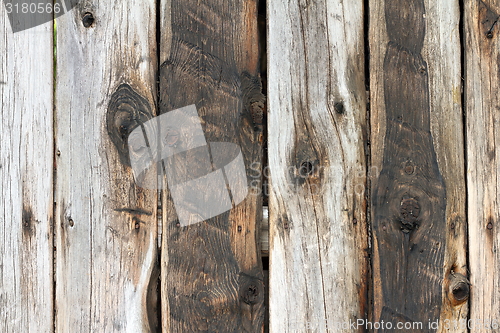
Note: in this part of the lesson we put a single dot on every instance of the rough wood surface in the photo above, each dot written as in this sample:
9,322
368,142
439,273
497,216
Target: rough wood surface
418,200
212,280
317,129
482,102
105,224
26,160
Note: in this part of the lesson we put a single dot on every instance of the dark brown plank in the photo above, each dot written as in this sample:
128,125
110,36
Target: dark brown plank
212,280
417,263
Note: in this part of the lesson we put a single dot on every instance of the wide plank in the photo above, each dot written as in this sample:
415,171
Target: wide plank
318,245
212,279
106,224
418,198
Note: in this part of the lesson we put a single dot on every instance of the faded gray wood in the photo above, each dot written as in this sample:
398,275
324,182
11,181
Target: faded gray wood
317,129
419,261
106,225
26,160
442,51
482,99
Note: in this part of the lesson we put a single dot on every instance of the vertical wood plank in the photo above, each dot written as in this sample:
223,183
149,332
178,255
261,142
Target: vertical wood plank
482,56
212,279
317,116
26,183
106,224
418,195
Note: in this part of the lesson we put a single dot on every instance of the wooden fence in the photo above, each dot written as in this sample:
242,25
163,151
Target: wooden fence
368,130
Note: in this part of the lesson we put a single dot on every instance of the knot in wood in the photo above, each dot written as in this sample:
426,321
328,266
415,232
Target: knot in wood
171,137
461,291
306,169
257,112
409,211
339,107
409,168
88,20
250,293
459,288
126,111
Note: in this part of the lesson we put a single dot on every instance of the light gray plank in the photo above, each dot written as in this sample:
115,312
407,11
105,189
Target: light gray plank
482,55
26,157
106,225
317,117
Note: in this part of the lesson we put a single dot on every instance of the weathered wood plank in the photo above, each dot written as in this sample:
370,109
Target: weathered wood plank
26,160
482,99
105,223
418,199
212,280
317,128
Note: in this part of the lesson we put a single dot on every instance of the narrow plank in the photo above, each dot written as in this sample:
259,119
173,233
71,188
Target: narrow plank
213,281
418,197
482,78
317,129
26,160
106,225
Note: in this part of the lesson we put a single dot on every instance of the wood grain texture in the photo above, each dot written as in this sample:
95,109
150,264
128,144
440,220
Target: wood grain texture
418,199
212,280
106,225
26,183
482,111
317,112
